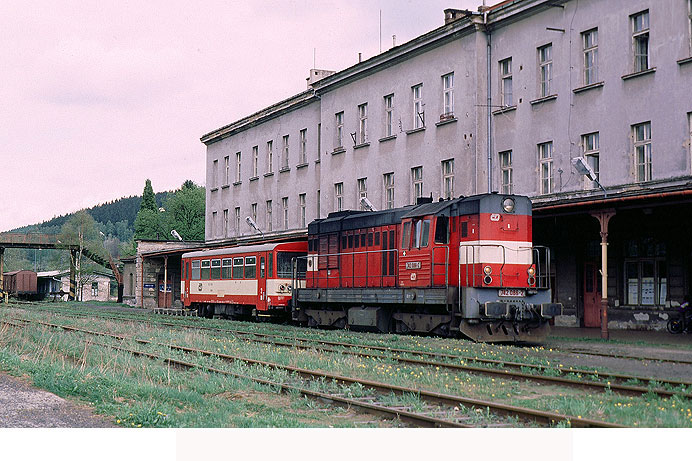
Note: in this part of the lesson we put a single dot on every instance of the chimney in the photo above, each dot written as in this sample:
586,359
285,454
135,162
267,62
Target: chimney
452,15
318,74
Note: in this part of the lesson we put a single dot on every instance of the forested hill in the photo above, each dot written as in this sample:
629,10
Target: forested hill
120,212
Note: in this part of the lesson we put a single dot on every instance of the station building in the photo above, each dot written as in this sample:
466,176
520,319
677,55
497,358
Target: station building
583,105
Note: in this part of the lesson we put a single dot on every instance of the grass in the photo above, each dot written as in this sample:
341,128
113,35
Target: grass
205,395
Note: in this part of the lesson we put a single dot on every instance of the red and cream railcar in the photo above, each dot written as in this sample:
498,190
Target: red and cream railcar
465,265
245,281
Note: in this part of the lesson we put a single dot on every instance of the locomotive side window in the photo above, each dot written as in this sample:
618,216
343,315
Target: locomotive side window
464,229
362,240
369,239
206,271
215,269
422,233
344,241
226,268
442,230
355,241
377,239
406,238
195,270
238,268
250,267
350,241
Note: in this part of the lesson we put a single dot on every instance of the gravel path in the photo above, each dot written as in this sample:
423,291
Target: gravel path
24,406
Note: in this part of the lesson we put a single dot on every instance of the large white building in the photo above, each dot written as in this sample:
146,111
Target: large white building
502,99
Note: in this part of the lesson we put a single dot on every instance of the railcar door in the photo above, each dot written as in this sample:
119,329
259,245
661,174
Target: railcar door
592,295
262,280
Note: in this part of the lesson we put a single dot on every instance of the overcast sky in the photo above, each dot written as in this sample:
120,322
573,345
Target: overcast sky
98,96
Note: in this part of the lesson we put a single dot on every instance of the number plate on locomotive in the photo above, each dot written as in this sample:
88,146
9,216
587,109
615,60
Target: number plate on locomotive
413,265
511,292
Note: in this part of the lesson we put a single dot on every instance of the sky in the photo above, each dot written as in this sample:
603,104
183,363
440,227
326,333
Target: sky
98,96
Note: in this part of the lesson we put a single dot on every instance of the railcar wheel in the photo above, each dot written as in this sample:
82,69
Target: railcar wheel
675,326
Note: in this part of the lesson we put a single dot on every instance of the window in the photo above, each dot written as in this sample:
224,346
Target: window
689,15
225,223
448,95
590,45
590,148
215,269
301,210
339,133
94,289
195,273
284,264
237,220
642,151
269,215
227,168
416,183
284,160
253,207
255,156
363,123
214,224
419,238
362,192
237,167
318,203
215,174
640,40
646,272
270,156
250,267
689,121
238,268
226,268
338,196
389,115
545,156
388,190
506,182
206,270
448,178
319,141
506,82
284,205
418,107
545,69
303,146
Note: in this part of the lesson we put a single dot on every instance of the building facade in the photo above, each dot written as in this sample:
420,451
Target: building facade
585,106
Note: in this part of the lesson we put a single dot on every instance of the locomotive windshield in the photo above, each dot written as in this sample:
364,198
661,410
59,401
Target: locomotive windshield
284,268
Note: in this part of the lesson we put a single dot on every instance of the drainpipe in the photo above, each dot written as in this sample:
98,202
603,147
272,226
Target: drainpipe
489,105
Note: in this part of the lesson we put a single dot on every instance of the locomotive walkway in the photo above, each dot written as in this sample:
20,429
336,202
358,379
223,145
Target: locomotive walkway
48,241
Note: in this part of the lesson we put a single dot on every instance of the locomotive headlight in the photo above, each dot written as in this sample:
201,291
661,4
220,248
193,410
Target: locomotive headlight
531,271
487,270
508,205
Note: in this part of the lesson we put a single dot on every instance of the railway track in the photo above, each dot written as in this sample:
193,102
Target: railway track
436,403
618,355
504,369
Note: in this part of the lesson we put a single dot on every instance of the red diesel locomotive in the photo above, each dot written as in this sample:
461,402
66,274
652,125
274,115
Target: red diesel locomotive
465,265
253,281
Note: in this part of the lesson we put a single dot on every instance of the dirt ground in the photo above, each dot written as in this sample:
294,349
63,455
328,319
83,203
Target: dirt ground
22,405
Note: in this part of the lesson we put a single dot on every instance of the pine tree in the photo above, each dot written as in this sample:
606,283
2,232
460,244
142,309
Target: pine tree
148,198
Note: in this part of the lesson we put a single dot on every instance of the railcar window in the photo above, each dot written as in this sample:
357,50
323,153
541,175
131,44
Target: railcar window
206,271
406,238
226,268
195,270
237,268
270,265
262,267
250,267
284,265
425,237
215,269
442,230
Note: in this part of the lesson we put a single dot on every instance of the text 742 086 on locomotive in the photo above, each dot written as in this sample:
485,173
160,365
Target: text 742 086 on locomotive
465,266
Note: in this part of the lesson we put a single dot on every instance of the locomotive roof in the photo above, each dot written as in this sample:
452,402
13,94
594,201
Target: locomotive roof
481,203
233,250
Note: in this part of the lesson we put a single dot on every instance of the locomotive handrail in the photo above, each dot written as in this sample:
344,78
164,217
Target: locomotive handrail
542,277
315,258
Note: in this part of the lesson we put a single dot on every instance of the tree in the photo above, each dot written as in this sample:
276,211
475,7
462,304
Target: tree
185,211
148,223
81,231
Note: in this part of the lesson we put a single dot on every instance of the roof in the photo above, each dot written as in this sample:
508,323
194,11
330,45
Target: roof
233,250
